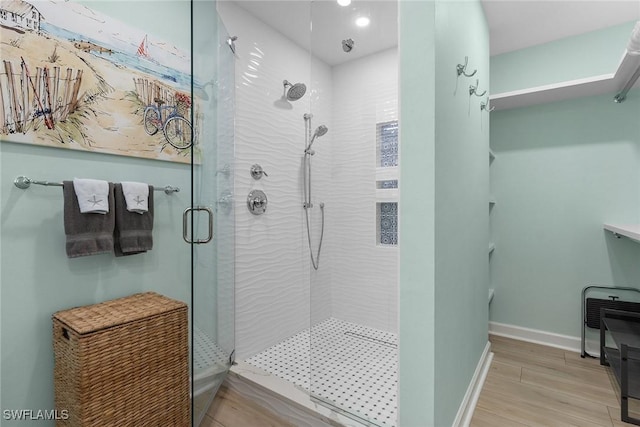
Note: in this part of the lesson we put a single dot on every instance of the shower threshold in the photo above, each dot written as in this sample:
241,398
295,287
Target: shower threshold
354,381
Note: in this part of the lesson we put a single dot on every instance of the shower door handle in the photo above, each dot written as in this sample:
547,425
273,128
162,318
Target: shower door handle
185,228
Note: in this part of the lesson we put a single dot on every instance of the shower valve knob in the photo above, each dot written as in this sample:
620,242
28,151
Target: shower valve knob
257,202
257,171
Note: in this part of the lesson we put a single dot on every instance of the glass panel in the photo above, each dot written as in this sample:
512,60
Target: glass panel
213,263
354,291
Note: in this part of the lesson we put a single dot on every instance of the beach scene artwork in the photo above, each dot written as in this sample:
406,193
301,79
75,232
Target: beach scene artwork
75,78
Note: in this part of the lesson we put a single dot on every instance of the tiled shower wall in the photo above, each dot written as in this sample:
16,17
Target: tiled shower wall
272,258
364,289
277,291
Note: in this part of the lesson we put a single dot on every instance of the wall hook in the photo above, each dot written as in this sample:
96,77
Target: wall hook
485,106
473,90
462,69
231,43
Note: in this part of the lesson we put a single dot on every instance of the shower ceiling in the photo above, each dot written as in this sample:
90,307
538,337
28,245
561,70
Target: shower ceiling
332,23
513,24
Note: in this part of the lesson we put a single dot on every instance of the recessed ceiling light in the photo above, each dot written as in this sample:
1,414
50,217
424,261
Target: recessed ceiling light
363,21
344,2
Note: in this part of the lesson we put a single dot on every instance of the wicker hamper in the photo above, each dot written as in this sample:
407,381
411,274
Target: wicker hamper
123,363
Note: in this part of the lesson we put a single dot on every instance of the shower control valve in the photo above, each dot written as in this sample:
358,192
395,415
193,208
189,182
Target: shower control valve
257,171
257,202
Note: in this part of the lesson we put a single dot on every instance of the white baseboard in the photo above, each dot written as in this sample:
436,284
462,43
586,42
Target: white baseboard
564,342
468,405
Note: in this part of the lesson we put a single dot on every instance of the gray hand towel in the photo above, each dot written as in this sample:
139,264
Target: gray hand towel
87,233
133,230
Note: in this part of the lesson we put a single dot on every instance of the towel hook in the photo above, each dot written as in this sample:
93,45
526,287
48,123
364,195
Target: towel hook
486,106
473,90
462,69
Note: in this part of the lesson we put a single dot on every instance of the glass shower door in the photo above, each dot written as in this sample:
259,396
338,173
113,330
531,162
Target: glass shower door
354,347
211,216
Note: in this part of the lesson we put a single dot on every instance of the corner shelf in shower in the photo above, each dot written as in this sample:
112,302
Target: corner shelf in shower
590,86
632,231
492,247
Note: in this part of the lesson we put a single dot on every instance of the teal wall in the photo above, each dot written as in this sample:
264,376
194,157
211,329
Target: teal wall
561,171
38,279
461,204
416,400
444,223
572,58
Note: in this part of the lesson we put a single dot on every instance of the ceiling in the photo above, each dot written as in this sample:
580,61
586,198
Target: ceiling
331,24
513,24
516,24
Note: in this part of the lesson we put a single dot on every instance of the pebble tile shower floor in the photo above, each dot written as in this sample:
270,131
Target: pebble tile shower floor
354,367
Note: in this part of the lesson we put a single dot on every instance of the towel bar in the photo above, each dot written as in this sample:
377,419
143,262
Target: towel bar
23,182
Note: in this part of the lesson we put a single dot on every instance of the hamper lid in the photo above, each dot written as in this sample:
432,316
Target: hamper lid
91,318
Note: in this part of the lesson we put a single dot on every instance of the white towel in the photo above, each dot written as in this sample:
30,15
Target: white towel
136,195
93,195
633,48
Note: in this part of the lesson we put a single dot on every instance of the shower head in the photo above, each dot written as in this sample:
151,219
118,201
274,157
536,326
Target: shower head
347,45
295,91
320,131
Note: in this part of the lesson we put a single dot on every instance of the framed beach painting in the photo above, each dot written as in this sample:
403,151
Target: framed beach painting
75,78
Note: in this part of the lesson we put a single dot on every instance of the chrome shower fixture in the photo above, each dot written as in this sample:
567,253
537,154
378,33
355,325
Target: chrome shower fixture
306,174
347,45
295,91
320,131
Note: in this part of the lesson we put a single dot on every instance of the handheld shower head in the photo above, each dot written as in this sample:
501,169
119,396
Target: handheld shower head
295,91
320,131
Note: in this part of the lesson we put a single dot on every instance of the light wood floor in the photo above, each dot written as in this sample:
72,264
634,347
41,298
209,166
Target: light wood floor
527,385
230,409
535,385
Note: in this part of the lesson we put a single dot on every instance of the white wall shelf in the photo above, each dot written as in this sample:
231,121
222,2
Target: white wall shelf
491,293
492,247
632,231
596,85
492,155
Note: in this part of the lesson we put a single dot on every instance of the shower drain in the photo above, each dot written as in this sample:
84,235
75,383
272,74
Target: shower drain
371,339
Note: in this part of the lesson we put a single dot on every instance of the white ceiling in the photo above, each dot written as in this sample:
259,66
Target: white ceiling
332,23
513,24
516,24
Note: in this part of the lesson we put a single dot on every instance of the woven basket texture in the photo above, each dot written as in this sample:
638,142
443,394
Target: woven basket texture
123,363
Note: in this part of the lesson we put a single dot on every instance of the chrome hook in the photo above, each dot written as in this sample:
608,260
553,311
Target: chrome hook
232,44
473,90
462,69
485,106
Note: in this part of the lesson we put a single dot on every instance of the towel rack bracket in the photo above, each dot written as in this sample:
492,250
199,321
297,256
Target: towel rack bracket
22,182
169,189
